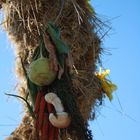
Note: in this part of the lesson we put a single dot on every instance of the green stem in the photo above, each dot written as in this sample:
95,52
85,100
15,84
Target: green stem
28,105
41,49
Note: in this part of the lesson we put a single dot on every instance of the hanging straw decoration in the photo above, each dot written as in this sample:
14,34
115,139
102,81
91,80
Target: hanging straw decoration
57,45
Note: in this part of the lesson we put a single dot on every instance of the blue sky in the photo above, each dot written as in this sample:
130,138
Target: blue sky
114,121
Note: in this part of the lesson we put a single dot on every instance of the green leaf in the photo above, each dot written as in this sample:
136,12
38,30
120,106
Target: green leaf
30,108
61,60
54,33
33,89
90,8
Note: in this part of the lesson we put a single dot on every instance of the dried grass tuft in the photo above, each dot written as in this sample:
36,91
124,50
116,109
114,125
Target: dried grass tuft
25,19
25,130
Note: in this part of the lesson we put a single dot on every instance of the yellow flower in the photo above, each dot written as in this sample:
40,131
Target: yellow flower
107,85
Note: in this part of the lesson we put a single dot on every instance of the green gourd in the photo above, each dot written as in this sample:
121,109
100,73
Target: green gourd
39,72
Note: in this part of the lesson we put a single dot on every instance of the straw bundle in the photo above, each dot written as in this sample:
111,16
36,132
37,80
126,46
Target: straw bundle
24,21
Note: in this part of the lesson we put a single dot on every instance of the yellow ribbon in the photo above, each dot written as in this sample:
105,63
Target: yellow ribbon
107,85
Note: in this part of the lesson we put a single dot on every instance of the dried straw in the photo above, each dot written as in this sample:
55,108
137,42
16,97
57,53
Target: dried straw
26,19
